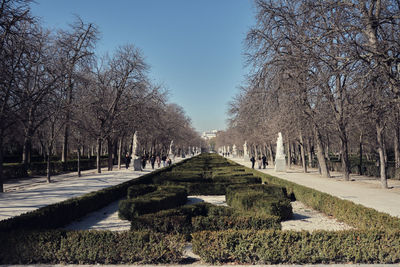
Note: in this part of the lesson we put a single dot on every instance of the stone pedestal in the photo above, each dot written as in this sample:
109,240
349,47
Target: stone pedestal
137,165
280,165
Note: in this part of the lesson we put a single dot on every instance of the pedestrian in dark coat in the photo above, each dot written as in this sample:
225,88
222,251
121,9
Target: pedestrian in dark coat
127,160
264,161
152,161
253,160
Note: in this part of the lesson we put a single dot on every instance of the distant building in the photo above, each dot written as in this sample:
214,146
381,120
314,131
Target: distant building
210,134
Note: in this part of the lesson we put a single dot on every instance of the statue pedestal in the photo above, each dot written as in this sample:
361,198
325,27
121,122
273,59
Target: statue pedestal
137,165
280,165
246,158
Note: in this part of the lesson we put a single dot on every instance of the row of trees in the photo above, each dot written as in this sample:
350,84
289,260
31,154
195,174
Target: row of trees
57,96
326,74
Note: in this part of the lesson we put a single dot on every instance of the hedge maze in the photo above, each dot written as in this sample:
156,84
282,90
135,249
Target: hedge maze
247,231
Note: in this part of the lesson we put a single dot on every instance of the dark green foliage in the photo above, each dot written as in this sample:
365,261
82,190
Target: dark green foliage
236,222
261,199
290,247
89,247
165,197
140,189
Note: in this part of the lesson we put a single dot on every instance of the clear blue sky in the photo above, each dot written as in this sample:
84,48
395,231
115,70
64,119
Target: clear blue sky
194,47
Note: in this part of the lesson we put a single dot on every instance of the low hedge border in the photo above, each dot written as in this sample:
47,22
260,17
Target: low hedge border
165,197
90,247
290,247
62,213
346,211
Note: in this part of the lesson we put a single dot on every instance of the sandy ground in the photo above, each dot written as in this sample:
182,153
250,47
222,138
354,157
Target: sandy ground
362,190
304,218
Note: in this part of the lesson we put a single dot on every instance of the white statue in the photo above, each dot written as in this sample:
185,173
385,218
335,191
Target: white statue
245,152
134,146
234,151
170,147
280,161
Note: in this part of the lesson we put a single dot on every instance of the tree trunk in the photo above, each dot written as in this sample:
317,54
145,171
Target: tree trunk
64,154
302,152
381,147
360,155
26,151
345,153
48,165
271,153
289,153
1,163
119,152
321,155
397,141
110,153
98,163
310,153
79,161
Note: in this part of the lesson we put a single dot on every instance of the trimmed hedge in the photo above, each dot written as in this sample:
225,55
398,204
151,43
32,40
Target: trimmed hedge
346,211
290,247
90,247
236,222
140,189
261,199
166,197
62,213
18,170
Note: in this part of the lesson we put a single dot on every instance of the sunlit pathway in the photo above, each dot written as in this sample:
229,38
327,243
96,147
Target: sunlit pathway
360,190
29,195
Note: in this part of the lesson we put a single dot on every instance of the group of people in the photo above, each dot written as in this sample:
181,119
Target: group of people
154,159
262,161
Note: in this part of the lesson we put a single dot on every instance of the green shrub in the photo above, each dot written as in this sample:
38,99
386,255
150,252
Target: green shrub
290,247
89,247
165,197
140,189
236,222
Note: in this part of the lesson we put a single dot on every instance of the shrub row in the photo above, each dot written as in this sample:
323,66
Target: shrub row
346,211
62,213
261,199
141,189
369,168
290,247
89,247
18,170
165,197
202,216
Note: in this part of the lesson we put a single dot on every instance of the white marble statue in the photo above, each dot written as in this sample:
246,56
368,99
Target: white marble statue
245,152
280,161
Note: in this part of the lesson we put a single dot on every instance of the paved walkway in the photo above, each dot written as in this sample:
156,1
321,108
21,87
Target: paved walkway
362,190
25,195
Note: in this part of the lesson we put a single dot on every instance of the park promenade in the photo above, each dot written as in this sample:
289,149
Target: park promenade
362,190
23,195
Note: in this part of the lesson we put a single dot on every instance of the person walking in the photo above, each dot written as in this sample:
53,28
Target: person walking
169,161
158,161
264,161
152,161
253,161
164,159
127,160
143,162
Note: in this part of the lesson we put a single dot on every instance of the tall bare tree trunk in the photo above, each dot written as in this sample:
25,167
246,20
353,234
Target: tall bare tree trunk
321,155
119,152
271,153
110,153
381,148
302,152
79,161
48,164
345,153
310,153
98,163
1,163
289,153
360,170
396,139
